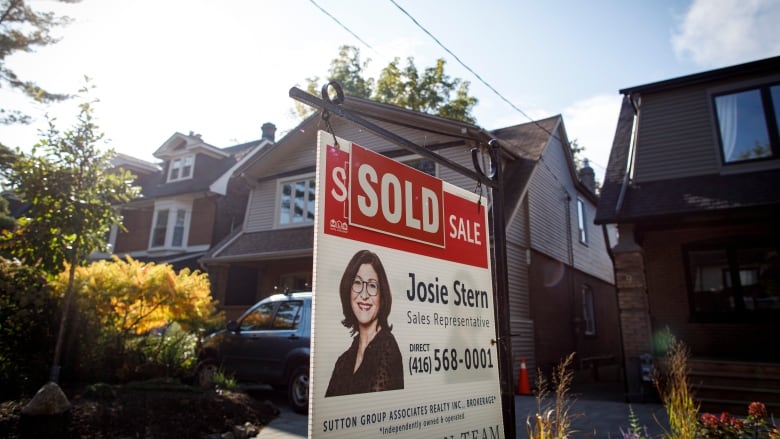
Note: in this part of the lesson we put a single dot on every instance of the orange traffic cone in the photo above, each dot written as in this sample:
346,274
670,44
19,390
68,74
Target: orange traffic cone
523,387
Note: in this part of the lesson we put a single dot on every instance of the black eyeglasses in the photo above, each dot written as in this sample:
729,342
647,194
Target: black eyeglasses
370,286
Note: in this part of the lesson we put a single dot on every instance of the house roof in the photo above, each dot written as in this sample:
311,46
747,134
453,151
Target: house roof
134,164
158,186
622,200
264,244
524,144
190,143
759,66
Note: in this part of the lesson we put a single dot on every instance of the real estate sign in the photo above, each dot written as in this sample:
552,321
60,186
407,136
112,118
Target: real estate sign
404,333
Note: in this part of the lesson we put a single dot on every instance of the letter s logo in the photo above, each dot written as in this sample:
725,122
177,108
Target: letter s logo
339,192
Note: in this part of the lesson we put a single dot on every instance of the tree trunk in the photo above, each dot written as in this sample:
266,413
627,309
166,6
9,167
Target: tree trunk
54,373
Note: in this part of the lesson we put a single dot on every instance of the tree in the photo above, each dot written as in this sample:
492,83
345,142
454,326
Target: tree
7,222
431,91
22,29
576,153
348,71
73,193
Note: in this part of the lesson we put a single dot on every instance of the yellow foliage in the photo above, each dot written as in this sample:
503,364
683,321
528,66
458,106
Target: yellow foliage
133,297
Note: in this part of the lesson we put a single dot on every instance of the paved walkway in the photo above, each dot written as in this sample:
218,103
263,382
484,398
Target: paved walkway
592,419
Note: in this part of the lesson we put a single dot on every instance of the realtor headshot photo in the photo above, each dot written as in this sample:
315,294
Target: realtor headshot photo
373,361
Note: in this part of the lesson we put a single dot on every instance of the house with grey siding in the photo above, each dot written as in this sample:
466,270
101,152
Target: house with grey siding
692,186
561,290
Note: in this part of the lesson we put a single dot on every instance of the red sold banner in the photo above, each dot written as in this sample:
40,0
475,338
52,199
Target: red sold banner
375,199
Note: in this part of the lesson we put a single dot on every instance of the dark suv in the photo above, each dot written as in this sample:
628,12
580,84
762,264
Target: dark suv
268,344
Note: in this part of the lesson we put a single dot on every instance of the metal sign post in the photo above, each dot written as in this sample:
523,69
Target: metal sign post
492,179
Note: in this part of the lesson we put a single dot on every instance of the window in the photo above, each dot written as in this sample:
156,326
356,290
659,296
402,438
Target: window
181,168
582,222
178,228
285,316
258,319
296,201
423,165
588,310
748,123
160,227
733,281
170,226
288,316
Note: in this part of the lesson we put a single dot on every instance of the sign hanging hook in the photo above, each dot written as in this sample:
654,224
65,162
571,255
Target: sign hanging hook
339,98
475,159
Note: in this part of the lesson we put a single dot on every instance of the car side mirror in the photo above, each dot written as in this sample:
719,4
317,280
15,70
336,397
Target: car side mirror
232,326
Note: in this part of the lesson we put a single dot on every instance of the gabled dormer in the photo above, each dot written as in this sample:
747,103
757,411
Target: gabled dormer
182,153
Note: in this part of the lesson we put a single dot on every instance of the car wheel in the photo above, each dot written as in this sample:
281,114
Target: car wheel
298,389
205,373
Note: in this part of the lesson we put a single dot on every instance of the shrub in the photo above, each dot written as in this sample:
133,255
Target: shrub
28,324
756,425
553,420
676,395
133,319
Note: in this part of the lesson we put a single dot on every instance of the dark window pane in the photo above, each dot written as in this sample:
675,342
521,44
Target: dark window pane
735,279
424,165
288,315
759,278
709,270
258,319
743,129
178,229
284,208
299,201
158,237
588,310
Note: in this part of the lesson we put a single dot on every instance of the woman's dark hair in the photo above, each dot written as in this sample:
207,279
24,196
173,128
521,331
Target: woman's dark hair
345,290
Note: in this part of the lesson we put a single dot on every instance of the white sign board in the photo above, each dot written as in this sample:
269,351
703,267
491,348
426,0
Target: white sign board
404,331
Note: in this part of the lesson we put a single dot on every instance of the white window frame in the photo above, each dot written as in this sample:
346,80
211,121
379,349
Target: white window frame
178,165
173,208
309,179
582,220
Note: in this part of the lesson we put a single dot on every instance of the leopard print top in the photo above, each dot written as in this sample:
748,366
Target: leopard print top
381,369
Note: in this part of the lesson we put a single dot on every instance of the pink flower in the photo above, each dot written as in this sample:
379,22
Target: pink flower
757,410
709,420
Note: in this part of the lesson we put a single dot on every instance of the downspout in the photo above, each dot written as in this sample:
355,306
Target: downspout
636,101
570,274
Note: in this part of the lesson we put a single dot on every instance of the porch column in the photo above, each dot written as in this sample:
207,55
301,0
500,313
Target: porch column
633,308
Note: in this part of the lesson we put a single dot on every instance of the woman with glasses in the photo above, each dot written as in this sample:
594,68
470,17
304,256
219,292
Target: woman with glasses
373,362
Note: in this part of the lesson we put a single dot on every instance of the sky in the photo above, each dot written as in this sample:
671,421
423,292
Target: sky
222,68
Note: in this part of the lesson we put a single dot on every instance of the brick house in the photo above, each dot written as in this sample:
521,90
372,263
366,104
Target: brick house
692,185
188,202
560,275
